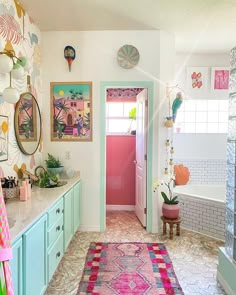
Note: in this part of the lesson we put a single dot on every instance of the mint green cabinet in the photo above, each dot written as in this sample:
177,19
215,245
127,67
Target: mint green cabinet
76,206
68,218
17,267
35,258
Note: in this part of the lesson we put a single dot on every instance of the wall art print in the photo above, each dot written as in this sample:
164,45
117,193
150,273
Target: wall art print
219,78
3,138
71,111
197,80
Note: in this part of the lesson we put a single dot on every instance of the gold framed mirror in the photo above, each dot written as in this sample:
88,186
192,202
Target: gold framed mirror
27,121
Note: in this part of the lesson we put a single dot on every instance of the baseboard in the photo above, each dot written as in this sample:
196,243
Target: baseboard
120,207
224,284
89,228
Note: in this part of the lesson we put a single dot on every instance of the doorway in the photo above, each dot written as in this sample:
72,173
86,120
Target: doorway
149,87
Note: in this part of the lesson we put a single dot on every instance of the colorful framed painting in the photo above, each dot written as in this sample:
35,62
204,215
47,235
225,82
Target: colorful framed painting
71,111
197,80
4,138
219,78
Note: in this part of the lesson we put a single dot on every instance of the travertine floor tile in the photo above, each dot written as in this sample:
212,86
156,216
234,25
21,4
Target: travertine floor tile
194,256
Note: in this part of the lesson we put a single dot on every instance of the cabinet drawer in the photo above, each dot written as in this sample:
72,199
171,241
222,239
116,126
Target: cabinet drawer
55,230
55,213
54,256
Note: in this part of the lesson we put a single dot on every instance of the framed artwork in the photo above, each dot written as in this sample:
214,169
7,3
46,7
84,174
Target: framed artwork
197,80
71,111
3,138
219,78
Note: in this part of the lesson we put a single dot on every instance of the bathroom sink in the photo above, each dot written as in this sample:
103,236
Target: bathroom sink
60,183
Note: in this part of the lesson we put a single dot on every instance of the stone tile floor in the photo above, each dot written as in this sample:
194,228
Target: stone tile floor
194,256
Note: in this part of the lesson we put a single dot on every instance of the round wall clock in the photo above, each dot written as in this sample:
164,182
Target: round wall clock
128,56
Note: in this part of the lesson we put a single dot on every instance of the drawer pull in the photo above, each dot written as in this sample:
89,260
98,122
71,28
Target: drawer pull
58,254
58,228
58,210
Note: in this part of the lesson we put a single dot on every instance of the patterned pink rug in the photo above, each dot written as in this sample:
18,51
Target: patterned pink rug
128,269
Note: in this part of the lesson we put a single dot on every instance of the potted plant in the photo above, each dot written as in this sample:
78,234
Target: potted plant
53,165
132,117
170,207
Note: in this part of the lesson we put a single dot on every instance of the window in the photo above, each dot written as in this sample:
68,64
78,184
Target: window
117,117
202,116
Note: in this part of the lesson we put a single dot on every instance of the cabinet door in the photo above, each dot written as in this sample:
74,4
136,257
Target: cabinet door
76,206
16,267
68,218
35,257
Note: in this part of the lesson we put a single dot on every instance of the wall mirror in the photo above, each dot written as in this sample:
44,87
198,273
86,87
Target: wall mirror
27,123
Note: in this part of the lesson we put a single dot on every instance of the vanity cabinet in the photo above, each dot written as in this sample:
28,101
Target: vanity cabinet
39,249
68,218
76,207
17,267
55,228
35,258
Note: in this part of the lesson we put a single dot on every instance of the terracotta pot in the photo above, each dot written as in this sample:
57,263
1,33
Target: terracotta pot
170,211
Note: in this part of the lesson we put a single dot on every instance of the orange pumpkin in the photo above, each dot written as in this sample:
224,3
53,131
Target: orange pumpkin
181,174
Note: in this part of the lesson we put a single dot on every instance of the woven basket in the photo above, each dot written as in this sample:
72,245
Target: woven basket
10,193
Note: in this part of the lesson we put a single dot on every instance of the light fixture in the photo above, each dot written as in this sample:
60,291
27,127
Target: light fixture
15,66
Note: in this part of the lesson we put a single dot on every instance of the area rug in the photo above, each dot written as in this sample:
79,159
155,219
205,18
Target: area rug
128,269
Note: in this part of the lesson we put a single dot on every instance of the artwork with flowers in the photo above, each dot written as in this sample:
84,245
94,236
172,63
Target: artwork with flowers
197,80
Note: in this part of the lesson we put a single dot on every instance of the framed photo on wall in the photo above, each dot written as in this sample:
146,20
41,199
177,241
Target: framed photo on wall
219,78
197,81
4,138
71,111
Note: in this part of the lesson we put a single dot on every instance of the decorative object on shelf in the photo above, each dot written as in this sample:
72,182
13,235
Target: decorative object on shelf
69,54
15,67
71,111
53,165
4,138
128,56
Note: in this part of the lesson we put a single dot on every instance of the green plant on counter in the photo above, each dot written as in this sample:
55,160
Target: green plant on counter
47,179
52,162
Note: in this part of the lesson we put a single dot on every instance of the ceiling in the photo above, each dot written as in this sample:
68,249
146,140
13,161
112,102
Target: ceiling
200,26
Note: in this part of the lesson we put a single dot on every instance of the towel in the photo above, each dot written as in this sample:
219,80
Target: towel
6,285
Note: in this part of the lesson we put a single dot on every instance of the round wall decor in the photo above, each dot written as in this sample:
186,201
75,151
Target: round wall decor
128,56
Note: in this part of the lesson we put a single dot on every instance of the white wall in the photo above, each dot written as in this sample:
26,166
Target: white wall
200,146
96,62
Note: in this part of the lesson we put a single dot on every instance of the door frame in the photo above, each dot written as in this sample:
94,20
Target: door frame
125,84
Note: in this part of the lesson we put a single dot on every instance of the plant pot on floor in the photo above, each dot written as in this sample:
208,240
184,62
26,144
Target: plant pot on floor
170,211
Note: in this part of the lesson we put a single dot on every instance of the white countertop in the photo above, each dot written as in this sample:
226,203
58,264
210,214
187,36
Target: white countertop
22,214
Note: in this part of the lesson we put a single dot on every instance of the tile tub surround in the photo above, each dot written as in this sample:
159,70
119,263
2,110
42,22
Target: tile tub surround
22,215
194,256
205,171
200,212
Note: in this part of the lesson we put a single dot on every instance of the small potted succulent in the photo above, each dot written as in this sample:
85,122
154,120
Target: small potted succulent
53,165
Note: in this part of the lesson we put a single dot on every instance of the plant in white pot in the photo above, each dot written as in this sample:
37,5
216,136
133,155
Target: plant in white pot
170,207
53,165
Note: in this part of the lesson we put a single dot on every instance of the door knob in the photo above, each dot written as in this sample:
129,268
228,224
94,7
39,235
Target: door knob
135,162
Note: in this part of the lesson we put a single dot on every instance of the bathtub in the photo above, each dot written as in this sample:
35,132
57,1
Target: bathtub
202,208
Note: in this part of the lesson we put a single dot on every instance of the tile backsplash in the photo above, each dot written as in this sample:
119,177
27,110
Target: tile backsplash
204,171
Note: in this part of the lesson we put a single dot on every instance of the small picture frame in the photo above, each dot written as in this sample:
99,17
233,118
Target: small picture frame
71,111
197,80
219,78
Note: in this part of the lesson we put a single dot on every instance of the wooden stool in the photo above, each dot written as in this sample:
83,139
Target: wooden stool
171,223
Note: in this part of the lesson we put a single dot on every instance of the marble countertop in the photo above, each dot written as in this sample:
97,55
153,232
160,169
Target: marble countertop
22,214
